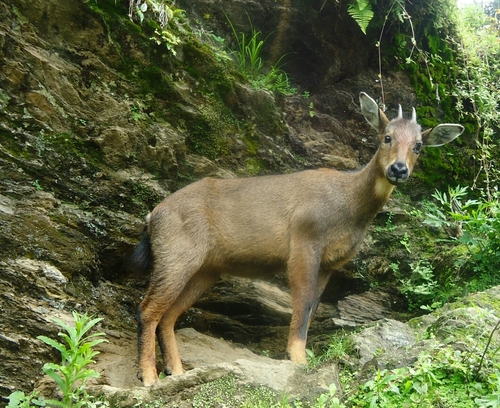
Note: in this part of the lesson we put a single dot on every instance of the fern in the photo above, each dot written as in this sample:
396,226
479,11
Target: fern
361,11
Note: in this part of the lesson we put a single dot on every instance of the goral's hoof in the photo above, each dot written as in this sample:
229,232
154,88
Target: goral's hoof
146,383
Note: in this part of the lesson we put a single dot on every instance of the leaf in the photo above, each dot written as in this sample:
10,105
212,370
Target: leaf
58,346
49,369
16,398
84,375
361,11
89,324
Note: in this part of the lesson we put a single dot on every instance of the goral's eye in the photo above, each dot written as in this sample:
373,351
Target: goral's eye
417,148
387,139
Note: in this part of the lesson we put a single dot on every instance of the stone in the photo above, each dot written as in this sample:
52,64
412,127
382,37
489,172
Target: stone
387,336
364,308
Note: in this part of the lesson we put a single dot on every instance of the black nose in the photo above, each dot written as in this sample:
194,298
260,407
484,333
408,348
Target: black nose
398,172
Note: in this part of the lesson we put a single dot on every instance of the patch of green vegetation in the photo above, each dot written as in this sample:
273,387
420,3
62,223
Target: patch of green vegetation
203,140
143,196
12,143
420,288
474,225
252,144
148,68
248,60
201,63
156,403
154,80
253,166
459,368
338,347
227,391
211,128
73,372
58,151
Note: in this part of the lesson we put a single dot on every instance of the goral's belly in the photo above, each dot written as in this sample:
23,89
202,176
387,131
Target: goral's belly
340,251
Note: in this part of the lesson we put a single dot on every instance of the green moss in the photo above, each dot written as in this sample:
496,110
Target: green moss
252,145
253,166
142,197
202,139
213,75
12,144
228,392
211,128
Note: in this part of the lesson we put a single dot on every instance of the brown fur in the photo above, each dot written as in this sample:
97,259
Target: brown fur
307,223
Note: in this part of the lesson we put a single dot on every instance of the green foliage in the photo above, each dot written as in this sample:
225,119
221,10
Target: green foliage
421,287
210,130
478,93
226,391
19,399
249,62
72,373
493,398
338,347
417,37
166,15
328,400
361,11
442,376
476,226
215,42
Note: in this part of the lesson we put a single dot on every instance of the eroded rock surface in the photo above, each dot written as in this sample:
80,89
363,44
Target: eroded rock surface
98,124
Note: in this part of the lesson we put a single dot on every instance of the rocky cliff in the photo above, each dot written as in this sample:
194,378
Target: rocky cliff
98,123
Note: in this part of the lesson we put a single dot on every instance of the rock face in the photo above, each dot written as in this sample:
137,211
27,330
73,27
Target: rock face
98,124
320,45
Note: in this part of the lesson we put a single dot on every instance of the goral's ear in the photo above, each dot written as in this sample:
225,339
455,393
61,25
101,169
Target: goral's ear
442,134
373,115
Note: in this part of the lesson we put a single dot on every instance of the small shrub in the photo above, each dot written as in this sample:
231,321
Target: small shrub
72,373
476,226
421,287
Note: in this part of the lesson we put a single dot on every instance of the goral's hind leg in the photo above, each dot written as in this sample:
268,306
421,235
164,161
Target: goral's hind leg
148,317
165,331
167,284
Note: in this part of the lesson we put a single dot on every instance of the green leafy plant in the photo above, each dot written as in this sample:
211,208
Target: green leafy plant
389,224
477,91
167,16
338,347
361,11
249,62
73,372
215,42
19,399
328,400
439,377
475,225
493,399
420,287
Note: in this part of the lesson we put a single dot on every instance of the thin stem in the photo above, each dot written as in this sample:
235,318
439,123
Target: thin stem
485,350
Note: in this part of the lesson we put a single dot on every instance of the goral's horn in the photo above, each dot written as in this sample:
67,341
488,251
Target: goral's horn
413,115
400,112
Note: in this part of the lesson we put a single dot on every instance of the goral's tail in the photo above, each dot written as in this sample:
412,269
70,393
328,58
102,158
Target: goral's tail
141,260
